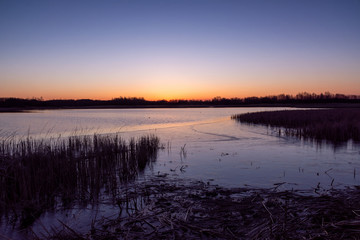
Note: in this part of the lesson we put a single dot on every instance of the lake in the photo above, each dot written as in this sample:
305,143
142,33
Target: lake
217,148
203,144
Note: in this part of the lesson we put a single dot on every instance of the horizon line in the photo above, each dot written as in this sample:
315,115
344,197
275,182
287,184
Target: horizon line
326,93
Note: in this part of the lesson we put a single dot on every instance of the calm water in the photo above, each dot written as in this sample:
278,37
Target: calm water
204,144
217,149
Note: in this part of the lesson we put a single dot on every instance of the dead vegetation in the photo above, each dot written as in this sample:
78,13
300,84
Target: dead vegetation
173,209
37,175
335,125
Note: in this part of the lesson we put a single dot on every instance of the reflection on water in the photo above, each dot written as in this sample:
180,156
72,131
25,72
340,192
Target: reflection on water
234,155
205,144
217,148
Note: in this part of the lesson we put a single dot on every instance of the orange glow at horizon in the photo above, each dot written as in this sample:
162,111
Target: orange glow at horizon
158,85
169,95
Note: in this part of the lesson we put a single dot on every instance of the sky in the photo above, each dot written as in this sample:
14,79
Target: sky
178,49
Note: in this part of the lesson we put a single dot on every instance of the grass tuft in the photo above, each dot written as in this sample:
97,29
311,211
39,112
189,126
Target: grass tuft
35,175
334,125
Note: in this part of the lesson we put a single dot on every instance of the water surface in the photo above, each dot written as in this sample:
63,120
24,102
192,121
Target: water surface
202,144
217,149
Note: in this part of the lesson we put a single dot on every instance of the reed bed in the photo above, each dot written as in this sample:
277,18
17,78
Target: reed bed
175,209
334,125
36,175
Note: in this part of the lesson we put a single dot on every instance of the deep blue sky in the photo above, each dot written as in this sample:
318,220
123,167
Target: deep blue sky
178,49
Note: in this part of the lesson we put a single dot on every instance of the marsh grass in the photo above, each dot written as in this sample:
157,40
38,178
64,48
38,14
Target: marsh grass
176,209
36,175
334,125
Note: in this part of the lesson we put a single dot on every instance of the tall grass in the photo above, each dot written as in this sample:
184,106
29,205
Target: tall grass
38,174
335,125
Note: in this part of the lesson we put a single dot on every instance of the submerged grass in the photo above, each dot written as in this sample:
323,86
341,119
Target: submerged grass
174,209
335,125
36,175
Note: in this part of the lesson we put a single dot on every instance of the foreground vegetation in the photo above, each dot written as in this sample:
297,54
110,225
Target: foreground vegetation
335,125
162,208
35,175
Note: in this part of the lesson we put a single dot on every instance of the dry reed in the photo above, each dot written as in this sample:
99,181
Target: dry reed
175,209
335,125
38,174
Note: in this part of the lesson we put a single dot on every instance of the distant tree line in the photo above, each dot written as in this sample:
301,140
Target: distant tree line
282,99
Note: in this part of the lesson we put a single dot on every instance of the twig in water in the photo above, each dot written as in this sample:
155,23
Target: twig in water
182,168
268,212
354,173
187,213
231,233
71,230
183,152
277,185
42,225
355,212
328,170
150,224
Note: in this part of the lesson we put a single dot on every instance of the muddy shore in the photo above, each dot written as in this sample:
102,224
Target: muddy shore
161,208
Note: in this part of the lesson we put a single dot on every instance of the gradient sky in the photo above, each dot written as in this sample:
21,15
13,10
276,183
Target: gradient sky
173,49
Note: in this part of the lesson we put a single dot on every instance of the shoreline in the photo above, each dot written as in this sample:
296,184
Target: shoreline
310,105
162,208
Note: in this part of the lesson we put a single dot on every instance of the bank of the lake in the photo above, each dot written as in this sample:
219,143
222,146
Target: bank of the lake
177,106
163,208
